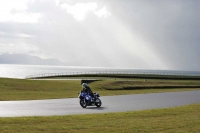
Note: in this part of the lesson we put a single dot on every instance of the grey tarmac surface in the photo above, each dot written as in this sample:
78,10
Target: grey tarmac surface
121,103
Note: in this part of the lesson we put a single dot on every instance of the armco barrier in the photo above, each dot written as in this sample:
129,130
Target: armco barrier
108,73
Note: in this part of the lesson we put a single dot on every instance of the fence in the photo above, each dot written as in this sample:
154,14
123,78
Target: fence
112,73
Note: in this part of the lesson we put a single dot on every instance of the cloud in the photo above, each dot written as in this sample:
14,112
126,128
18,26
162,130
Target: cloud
80,10
15,11
127,34
102,12
169,28
17,48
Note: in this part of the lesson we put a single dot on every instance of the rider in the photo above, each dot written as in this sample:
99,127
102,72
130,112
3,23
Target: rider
87,89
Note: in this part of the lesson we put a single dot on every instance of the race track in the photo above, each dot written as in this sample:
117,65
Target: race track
120,103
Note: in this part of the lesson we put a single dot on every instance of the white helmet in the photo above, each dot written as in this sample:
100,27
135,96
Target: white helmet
84,85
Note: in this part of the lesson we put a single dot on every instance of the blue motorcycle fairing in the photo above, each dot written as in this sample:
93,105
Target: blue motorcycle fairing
86,96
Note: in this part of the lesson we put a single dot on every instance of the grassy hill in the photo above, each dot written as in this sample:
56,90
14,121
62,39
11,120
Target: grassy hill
22,89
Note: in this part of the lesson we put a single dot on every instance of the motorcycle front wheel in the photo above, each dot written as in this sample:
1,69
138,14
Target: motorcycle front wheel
83,103
98,102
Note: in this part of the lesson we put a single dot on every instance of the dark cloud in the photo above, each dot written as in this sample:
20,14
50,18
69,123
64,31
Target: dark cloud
171,27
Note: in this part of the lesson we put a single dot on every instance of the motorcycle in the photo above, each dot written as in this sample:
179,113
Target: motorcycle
87,100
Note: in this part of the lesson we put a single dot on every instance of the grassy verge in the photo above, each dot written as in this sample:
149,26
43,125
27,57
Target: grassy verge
21,89
185,119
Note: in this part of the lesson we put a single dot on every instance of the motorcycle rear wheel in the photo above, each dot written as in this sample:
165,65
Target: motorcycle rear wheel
98,102
83,103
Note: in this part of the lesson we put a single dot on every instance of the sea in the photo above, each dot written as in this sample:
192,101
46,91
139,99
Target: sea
24,71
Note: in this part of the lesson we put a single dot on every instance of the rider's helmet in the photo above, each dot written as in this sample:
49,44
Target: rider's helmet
84,85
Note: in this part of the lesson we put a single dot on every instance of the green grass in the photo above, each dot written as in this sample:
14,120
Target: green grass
185,119
22,89
141,84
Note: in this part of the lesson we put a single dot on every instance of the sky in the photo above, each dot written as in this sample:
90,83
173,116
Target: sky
138,34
